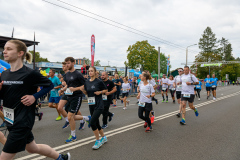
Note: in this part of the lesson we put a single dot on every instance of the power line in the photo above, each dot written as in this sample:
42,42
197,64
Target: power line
172,45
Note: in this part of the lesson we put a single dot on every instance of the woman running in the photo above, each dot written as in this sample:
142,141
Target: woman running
145,101
125,90
171,87
94,88
198,89
19,93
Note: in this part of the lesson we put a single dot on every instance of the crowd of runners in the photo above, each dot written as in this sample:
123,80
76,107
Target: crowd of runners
22,87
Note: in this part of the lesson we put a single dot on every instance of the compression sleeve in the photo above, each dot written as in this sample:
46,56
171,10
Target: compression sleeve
43,91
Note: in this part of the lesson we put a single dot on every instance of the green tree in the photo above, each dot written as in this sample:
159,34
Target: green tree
88,61
38,58
231,69
143,55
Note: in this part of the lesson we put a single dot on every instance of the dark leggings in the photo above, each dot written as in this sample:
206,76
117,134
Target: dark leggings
118,93
172,93
95,114
106,112
198,92
147,109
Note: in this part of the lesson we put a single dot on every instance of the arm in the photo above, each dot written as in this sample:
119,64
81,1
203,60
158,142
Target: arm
112,91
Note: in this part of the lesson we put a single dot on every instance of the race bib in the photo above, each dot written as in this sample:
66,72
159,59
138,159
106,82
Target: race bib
179,86
141,104
213,86
104,97
173,89
164,89
186,95
198,86
68,92
8,114
124,90
91,100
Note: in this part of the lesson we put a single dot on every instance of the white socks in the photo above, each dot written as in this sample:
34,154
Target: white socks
81,121
66,118
73,133
85,118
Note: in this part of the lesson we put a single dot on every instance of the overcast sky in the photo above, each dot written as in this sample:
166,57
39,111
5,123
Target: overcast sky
63,33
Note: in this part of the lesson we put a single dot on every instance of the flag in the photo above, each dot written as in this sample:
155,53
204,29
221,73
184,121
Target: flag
92,49
168,62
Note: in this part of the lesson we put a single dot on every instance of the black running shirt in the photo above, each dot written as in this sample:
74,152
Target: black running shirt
24,81
93,86
110,85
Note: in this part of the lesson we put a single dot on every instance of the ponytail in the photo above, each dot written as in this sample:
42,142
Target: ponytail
29,57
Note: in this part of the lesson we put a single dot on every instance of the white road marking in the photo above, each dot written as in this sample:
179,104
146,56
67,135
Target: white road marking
85,141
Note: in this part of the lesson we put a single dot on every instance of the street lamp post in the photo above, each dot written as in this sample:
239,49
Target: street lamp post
187,52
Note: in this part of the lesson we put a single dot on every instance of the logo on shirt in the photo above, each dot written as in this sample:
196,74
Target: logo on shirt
12,82
71,77
93,87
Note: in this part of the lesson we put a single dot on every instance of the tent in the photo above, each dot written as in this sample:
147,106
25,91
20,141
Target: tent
136,74
132,71
4,66
155,75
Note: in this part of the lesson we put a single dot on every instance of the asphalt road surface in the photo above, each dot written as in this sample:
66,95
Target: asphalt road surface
214,134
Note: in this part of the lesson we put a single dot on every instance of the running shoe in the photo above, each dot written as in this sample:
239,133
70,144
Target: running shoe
196,112
145,125
173,101
156,101
124,108
82,125
104,126
166,101
59,118
148,129
128,102
3,124
163,100
40,116
199,99
114,106
89,125
182,122
97,145
103,140
71,139
65,125
66,156
110,117
152,119
207,97
178,115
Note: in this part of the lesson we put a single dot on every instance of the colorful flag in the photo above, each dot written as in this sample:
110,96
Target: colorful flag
92,49
168,62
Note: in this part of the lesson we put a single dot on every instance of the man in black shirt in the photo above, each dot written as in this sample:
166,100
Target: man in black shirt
73,80
107,99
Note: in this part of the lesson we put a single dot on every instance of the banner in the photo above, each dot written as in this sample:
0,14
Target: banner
92,49
168,62
213,64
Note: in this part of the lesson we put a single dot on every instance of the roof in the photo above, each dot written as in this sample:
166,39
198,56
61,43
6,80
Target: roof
4,39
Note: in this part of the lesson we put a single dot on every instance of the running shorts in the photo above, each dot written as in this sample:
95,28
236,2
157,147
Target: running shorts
124,95
208,88
74,104
190,100
178,94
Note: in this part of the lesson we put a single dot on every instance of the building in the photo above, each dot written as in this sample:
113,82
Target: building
80,61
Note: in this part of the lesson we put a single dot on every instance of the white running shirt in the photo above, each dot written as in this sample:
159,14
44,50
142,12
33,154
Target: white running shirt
144,91
188,89
125,86
165,81
177,79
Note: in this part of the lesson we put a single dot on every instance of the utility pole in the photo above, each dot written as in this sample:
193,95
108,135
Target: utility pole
158,62
34,53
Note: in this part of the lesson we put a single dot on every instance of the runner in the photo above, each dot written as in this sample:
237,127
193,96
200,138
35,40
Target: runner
74,80
188,81
198,89
178,87
171,87
19,93
208,85
54,96
164,84
214,82
125,90
95,88
117,83
107,100
145,102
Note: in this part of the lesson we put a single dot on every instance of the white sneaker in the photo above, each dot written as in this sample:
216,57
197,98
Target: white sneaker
124,108
199,99
214,98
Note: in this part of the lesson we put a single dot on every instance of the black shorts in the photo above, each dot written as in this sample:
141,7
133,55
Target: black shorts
165,90
148,107
124,95
178,94
214,88
17,140
74,104
208,88
64,97
114,96
190,100
195,89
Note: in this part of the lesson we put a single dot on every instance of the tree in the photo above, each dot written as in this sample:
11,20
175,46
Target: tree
143,55
38,58
232,70
88,61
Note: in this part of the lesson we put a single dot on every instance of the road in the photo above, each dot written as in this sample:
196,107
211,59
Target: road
212,135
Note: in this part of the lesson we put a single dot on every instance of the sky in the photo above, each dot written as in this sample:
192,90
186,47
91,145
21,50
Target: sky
63,33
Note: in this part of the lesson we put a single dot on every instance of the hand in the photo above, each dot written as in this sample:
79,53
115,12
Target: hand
72,89
148,96
138,97
60,92
28,100
178,83
1,84
98,92
107,93
188,83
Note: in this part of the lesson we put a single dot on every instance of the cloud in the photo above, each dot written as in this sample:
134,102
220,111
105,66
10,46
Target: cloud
63,33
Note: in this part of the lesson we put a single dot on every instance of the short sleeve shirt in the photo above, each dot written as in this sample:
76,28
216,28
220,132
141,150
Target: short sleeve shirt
56,82
188,89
